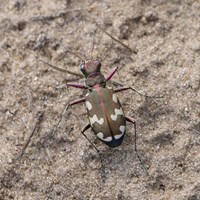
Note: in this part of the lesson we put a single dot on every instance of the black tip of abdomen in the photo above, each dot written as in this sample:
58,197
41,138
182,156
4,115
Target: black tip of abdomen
115,142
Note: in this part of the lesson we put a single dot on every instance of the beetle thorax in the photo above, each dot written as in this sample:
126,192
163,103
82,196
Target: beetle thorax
95,79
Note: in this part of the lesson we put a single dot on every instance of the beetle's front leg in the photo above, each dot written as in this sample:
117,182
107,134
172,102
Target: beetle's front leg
77,101
141,162
102,166
77,85
111,73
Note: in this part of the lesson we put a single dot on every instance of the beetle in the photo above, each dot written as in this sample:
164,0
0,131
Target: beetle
106,116
105,113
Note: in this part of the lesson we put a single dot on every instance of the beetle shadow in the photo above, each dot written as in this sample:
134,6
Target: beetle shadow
123,160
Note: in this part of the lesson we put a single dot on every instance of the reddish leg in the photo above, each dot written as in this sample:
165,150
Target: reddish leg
102,166
141,162
77,101
77,85
111,73
65,110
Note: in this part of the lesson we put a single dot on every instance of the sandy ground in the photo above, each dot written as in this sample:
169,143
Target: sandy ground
63,165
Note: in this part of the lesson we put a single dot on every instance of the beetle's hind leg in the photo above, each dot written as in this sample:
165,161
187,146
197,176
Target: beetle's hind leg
141,162
102,171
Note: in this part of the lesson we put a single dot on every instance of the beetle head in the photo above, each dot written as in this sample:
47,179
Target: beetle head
92,71
90,67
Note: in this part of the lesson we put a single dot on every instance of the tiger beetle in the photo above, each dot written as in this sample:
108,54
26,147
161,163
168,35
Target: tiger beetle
106,116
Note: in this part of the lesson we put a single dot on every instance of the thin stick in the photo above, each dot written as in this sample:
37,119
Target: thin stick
38,120
116,40
52,17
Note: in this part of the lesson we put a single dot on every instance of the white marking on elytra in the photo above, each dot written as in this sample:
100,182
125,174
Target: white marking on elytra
100,136
117,112
95,119
122,129
88,105
114,97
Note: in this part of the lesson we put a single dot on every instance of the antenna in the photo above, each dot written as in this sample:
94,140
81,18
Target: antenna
93,43
60,69
72,52
116,40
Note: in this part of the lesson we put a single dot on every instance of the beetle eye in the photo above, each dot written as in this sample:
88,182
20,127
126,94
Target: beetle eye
82,66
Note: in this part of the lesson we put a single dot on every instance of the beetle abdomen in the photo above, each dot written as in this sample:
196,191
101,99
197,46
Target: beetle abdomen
106,116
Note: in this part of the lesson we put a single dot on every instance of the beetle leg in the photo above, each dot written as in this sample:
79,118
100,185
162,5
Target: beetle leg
85,129
102,166
111,73
141,162
133,122
77,101
123,88
77,85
